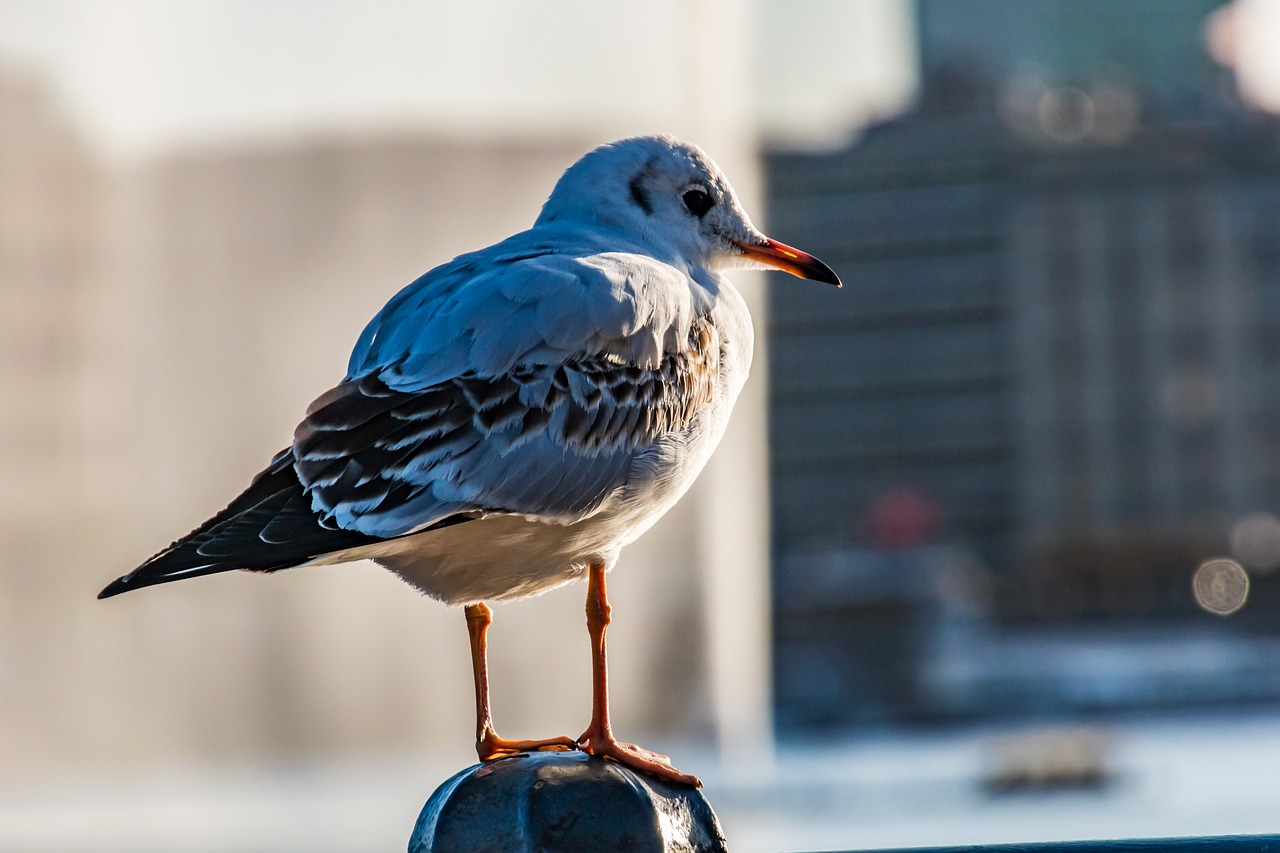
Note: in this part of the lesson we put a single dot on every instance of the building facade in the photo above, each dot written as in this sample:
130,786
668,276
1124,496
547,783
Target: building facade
1055,347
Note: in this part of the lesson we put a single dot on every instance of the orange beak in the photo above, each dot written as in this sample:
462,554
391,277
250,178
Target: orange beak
791,260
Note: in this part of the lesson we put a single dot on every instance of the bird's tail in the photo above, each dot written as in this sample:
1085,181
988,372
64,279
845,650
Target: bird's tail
267,528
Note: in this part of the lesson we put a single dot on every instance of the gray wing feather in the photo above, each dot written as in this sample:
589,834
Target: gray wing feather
490,445
524,379
547,441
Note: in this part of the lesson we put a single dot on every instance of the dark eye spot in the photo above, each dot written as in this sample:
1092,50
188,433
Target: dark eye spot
698,202
638,196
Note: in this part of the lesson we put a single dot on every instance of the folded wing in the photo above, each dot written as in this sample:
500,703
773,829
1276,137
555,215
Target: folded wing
549,441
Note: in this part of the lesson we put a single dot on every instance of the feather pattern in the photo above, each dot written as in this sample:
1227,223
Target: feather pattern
549,441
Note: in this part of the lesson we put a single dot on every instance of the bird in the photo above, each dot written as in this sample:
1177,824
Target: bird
513,418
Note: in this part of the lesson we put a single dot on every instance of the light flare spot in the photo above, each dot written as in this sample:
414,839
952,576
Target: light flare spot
1221,586
1066,114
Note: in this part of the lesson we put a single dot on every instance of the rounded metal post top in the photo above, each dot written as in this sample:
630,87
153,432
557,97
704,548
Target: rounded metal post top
563,802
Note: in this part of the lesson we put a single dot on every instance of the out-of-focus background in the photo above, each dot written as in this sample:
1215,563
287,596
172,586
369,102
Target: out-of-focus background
989,554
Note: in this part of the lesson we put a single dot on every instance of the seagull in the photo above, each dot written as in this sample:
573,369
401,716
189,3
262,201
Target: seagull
511,419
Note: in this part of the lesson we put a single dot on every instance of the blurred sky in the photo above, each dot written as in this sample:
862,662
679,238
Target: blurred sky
142,75
146,75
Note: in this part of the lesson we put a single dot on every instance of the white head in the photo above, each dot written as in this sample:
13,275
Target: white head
673,199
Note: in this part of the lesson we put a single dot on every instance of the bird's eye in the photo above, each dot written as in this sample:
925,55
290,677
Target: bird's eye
698,201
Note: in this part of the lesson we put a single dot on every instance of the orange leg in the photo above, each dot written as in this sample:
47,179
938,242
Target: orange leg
598,739
488,744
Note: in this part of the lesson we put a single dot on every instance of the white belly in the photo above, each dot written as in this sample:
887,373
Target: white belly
511,556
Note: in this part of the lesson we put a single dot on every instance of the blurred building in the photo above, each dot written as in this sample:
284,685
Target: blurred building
48,246
50,249
1158,42
1057,336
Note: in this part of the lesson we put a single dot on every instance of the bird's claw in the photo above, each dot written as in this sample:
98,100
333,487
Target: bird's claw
636,757
491,746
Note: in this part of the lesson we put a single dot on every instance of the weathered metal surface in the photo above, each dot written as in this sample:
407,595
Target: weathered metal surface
563,802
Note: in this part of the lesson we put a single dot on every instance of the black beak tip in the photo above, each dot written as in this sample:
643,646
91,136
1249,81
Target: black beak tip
826,274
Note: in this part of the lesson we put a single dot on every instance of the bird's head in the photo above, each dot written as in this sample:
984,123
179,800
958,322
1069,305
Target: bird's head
672,198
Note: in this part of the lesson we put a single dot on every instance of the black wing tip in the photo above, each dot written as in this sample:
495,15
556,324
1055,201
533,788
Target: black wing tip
141,580
130,582
114,588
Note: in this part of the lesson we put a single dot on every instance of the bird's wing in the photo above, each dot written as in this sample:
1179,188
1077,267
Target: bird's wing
542,296
269,526
530,388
